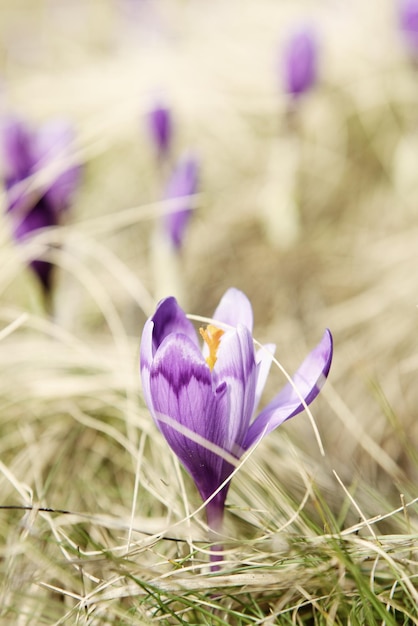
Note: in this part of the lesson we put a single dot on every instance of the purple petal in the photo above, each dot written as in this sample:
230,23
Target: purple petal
16,156
38,217
43,270
146,352
183,396
263,359
160,125
53,145
234,308
408,21
16,160
21,197
300,62
182,185
308,381
168,318
236,367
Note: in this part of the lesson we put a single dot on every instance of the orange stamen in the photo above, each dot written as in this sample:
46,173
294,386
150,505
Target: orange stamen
212,337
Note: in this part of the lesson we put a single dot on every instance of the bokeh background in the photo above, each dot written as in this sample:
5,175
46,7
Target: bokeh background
339,164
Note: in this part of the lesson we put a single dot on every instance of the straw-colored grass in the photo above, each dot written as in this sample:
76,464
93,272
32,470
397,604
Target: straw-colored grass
99,524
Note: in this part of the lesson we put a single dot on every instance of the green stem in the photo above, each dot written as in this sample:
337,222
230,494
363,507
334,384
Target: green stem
215,515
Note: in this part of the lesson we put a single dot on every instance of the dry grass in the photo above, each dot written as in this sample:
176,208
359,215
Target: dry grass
110,530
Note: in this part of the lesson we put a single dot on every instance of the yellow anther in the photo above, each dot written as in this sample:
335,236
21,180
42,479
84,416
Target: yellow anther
212,337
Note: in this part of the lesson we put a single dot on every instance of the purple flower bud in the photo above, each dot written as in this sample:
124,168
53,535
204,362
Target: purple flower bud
299,62
40,216
51,147
38,178
205,400
16,156
408,21
161,128
182,185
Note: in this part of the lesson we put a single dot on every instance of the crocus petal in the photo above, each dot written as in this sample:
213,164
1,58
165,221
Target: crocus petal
308,381
263,359
234,308
16,163
168,318
146,352
408,21
51,147
160,126
235,366
15,147
300,61
183,396
36,217
182,185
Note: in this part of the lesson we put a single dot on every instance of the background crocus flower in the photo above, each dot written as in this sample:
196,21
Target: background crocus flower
299,62
210,396
161,128
39,182
408,21
182,184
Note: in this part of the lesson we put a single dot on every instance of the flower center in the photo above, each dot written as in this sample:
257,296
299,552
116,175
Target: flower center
212,337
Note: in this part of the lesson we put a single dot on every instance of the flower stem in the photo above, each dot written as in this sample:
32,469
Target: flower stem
215,515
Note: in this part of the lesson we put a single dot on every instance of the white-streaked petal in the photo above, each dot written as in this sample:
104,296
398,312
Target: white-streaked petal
263,359
236,367
307,383
145,359
233,309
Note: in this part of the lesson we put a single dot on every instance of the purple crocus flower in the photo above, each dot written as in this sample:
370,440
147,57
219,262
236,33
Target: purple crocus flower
161,128
211,396
182,185
408,21
299,62
38,182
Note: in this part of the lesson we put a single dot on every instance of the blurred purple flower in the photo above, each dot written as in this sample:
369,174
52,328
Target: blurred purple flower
209,397
408,21
161,128
299,62
182,185
39,183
